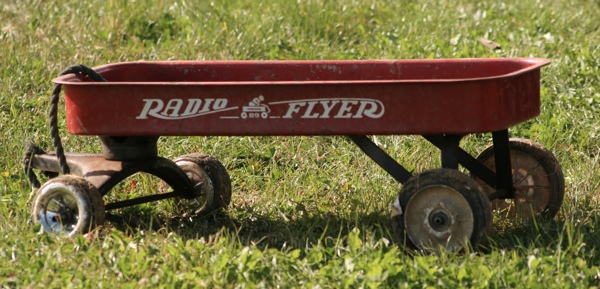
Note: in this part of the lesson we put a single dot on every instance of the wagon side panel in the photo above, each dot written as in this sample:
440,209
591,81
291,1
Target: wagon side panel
409,108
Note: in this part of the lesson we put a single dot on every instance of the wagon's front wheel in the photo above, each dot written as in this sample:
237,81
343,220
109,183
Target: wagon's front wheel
537,178
440,208
68,205
212,184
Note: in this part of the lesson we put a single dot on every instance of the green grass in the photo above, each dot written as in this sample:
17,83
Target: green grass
307,212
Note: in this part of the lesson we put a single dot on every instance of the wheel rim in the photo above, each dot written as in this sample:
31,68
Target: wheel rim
532,187
203,186
439,216
59,210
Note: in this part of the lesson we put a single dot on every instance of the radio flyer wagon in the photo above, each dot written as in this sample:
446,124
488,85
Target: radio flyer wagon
130,105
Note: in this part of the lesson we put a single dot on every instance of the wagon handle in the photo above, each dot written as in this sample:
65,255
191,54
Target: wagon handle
79,70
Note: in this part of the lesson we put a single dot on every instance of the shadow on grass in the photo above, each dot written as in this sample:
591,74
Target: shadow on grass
250,228
568,236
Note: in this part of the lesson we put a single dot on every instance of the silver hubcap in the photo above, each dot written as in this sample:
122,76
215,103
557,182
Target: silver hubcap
59,211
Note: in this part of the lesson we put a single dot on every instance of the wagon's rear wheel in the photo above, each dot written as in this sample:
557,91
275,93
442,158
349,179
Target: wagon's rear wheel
68,205
537,178
212,185
440,208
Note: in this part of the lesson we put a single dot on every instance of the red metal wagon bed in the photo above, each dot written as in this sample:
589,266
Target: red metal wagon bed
129,105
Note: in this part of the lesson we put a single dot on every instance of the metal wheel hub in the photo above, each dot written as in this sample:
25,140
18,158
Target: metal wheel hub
439,216
60,212
439,220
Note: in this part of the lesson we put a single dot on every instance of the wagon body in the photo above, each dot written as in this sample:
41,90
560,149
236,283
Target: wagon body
382,97
443,100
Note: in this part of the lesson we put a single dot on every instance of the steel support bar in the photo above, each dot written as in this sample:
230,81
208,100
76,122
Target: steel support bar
504,181
466,160
142,200
397,171
449,149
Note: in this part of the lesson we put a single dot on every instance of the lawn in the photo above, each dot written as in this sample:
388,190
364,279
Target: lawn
306,212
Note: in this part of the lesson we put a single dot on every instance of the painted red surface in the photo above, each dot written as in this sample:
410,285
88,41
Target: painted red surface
444,96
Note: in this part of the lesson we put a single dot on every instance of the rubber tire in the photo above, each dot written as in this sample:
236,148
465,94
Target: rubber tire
221,182
86,200
552,172
458,182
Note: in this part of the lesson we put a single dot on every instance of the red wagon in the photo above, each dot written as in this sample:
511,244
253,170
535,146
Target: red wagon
129,105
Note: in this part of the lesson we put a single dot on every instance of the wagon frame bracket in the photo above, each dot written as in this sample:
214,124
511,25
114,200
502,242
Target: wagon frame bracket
379,156
452,156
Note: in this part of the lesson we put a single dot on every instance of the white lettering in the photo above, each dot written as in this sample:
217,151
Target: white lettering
308,113
293,108
345,110
370,112
174,105
177,108
192,107
206,106
174,108
150,109
327,107
220,103
336,108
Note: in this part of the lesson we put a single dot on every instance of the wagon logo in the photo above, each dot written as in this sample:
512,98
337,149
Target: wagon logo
177,108
334,108
256,109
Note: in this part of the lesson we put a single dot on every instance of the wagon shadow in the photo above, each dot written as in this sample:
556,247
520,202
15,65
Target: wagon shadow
263,231
552,234
279,232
